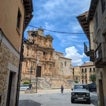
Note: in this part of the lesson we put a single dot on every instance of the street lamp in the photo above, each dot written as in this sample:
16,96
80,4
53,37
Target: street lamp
37,62
30,77
36,78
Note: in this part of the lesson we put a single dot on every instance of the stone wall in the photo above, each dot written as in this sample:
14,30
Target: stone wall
50,83
6,57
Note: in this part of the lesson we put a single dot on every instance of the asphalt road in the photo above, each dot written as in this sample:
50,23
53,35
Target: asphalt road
48,98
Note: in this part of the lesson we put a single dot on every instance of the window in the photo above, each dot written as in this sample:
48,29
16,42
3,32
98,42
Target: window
38,71
65,63
73,71
85,70
103,4
104,37
82,70
18,19
90,69
94,69
27,51
86,81
44,53
85,77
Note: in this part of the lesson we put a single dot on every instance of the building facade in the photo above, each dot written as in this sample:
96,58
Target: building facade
77,74
63,69
95,28
12,24
42,63
81,74
87,69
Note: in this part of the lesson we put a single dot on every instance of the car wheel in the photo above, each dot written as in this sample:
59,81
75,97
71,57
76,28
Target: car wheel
72,100
88,101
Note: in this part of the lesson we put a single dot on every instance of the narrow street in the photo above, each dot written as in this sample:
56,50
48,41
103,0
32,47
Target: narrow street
49,98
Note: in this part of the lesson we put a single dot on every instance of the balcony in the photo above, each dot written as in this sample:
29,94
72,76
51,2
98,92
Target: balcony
89,53
100,55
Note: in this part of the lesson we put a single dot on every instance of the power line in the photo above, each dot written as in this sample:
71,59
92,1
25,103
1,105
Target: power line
56,31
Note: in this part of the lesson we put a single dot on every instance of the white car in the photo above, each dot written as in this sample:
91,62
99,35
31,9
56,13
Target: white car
80,93
24,87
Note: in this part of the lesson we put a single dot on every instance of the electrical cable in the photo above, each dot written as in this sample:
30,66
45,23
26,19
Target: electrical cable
56,31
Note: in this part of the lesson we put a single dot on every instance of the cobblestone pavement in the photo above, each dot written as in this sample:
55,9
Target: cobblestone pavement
48,98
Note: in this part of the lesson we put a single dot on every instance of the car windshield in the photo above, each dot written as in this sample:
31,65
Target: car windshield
80,87
24,85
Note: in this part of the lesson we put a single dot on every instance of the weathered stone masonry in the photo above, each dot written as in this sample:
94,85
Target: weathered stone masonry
8,62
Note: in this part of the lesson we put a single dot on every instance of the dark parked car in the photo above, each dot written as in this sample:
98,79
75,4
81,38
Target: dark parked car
80,93
92,87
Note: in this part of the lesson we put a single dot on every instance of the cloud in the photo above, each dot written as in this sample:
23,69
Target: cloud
72,52
59,9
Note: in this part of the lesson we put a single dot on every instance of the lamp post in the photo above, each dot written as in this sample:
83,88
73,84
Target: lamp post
36,81
30,77
37,62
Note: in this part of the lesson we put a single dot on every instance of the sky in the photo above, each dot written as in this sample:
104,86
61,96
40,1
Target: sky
60,16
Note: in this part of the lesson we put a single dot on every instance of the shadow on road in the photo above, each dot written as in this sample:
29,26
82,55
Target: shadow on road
80,103
28,103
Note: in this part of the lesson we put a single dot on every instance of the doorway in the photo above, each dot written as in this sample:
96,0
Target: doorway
10,92
38,71
101,94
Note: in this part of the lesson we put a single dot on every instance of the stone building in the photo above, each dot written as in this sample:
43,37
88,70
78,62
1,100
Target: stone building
42,64
14,17
77,74
81,74
87,69
94,25
63,70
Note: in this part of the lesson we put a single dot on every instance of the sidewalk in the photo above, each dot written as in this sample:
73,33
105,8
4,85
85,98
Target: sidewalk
53,91
45,91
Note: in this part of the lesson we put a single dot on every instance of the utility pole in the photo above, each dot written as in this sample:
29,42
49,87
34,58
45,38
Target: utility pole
36,83
37,62
30,77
